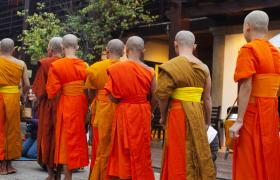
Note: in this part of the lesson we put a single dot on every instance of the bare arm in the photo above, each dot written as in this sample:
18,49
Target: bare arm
243,97
163,105
25,80
153,97
207,101
243,100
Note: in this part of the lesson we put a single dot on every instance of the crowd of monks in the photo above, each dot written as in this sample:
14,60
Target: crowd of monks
122,94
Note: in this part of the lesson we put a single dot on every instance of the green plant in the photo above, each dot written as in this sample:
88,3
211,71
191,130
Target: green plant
42,26
103,20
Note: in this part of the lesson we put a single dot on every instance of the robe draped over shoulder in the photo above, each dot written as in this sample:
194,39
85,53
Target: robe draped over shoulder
186,151
46,113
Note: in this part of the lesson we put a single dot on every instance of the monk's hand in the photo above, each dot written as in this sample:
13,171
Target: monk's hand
234,130
32,97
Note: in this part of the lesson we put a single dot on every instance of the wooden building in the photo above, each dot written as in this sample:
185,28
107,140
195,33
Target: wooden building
217,25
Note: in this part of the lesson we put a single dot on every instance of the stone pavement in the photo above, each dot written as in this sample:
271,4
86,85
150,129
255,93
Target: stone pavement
30,170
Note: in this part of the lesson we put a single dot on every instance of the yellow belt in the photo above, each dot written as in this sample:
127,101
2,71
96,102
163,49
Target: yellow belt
9,89
188,94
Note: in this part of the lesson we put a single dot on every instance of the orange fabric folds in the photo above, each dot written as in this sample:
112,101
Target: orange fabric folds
186,153
74,88
269,81
256,153
130,156
67,76
10,136
102,109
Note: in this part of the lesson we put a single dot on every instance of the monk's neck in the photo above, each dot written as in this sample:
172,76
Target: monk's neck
135,59
57,55
70,53
113,57
255,36
7,56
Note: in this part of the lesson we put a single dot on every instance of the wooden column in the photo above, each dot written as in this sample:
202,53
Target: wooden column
174,14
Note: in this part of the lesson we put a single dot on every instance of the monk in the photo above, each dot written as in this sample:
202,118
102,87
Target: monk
183,90
46,109
131,83
67,76
102,107
257,146
12,73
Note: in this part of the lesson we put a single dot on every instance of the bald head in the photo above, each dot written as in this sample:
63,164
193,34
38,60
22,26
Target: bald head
55,44
258,21
115,47
7,46
185,39
135,43
70,41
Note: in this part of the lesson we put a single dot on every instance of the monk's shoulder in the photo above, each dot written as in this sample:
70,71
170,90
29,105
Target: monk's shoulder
174,63
21,63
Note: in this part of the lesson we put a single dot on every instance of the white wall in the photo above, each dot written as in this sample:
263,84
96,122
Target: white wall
232,45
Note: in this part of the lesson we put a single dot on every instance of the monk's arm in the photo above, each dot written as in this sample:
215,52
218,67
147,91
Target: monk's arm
53,84
153,97
207,101
25,80
163,106
245,86
165,88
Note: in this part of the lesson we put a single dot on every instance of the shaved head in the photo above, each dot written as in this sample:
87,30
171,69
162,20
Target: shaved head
55,44
135,43
115,47
70,41
185,38
258,21
7,45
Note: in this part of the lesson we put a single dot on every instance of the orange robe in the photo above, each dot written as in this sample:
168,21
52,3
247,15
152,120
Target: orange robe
10,136
256,153
102,114
186,153
46,113
131,131
67,76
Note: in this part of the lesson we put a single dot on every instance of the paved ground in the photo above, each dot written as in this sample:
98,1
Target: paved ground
30,170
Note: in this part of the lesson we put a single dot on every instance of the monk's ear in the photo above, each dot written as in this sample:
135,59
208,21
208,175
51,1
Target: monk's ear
175,44
194,47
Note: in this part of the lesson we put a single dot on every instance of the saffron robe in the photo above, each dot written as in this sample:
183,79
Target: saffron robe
102,114
130,156
256,153
187,153
66,76
46,113
10,135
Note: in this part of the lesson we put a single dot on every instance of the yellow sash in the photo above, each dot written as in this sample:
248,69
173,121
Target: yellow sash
9,89
189,94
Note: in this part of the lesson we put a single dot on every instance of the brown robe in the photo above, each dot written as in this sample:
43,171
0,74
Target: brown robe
46,112
187,152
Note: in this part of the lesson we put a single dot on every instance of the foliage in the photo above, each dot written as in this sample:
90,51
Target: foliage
103,20
95,25
42,26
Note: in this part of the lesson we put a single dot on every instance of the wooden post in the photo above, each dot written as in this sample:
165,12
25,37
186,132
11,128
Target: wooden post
174,14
